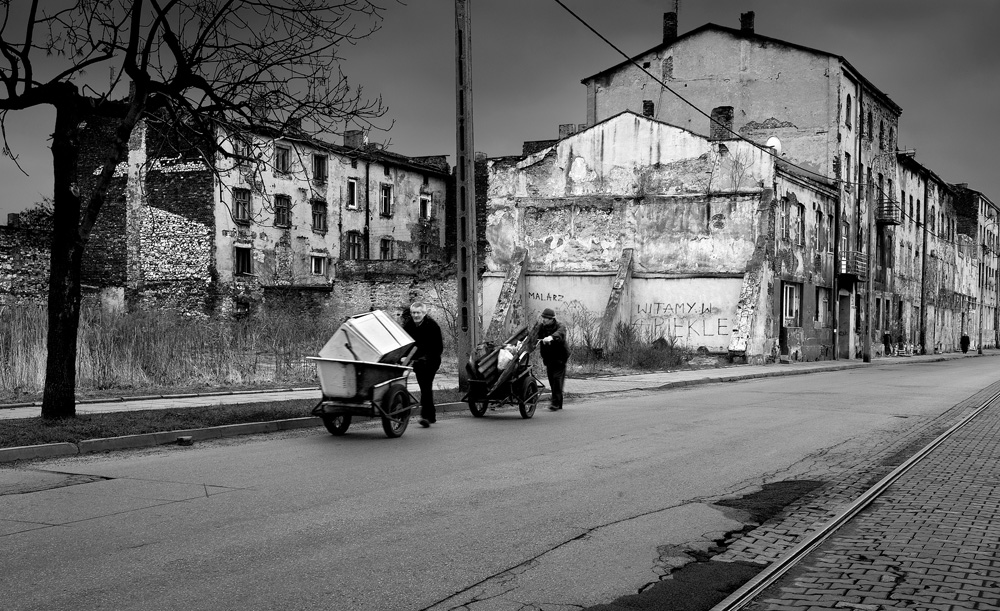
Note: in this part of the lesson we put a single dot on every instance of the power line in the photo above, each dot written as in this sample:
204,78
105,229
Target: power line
765,149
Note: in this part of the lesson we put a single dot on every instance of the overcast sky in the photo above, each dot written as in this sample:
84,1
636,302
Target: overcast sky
937,60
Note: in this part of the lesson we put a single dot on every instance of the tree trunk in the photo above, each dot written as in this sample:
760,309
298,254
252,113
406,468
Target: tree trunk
59,398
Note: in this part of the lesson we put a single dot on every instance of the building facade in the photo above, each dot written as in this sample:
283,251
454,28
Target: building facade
869,251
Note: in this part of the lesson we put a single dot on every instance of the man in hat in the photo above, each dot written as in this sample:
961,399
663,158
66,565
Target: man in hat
427,359
555,353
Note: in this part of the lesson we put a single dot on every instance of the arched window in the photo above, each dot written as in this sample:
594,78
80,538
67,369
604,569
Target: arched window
847,112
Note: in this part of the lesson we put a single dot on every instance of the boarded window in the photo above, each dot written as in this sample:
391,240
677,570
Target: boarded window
722,123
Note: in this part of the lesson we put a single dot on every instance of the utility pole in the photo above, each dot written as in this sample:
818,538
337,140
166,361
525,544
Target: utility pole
465,194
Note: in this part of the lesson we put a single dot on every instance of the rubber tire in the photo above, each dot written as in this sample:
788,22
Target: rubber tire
390,403
478,408
337,425
528,401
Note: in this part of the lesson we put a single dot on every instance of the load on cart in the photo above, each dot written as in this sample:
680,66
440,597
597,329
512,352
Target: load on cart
502,376
363,372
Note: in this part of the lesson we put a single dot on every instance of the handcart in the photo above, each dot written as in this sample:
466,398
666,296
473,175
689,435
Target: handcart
361,374
492,383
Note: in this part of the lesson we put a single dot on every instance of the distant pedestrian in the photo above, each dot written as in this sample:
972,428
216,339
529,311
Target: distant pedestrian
426,334
555,353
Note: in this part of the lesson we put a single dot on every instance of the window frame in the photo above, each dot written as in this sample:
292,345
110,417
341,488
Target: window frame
353,246
791,304
320,164
385,200
321,260
352,194
242,207
282,158
425,208
387,249
282,210
316,205
242,260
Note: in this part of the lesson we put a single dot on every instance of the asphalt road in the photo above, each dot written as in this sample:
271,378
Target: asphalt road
568,509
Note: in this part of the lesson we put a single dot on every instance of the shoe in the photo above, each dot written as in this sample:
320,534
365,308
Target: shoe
553,408
424,423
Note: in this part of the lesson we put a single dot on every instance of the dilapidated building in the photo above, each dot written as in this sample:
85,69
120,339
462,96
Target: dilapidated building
640,223
275,219
817,252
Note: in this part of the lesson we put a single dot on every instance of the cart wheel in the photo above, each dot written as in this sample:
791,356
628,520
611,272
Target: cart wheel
529,399
337,425
395,399
478,408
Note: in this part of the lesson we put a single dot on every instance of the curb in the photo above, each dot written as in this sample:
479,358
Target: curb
89,446
128,442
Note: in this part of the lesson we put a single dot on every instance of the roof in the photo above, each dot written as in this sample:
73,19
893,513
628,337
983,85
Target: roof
757,37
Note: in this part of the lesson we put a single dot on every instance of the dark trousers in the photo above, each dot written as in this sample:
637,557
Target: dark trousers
425,373
557,379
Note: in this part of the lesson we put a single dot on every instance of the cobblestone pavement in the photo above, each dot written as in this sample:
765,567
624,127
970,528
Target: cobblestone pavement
931,541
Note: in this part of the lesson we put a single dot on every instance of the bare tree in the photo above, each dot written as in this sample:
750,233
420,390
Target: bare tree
197,65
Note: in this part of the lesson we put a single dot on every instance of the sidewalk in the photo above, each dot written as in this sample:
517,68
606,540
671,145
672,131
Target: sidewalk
574,386
930,541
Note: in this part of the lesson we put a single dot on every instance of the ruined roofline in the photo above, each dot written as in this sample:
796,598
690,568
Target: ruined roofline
369,152
590,127
759,37
792,171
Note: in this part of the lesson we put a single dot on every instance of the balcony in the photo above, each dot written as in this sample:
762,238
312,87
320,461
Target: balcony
853,263
888,213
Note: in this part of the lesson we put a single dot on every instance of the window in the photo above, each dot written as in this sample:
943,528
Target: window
354,163
282,211
881,135
845,232
821,236
354,250
911,209
319,216
785,212
800,224
318,265
822,306
352,194
847,171
282,158
242,261
426,180
425,207
241,150
868,126
425,250
241,205
319,168
829,232
386,249
847,112
385,168
385,203
790,304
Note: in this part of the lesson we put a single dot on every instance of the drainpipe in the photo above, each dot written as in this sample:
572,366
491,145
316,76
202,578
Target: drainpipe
835,296
368,208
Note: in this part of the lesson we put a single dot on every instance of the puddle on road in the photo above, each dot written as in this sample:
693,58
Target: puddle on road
700,585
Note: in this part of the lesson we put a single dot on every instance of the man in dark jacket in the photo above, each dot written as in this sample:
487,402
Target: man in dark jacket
427,359
555,353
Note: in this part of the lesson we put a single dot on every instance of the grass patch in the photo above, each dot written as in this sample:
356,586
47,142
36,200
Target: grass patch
35,431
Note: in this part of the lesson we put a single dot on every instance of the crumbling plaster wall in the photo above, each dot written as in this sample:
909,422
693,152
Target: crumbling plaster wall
688,207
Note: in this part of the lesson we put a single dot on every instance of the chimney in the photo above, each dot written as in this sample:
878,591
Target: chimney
669,27
746,22
354,138
566,130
